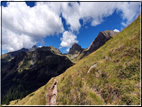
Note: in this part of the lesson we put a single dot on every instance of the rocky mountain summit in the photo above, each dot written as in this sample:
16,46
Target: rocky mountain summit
33,48
101,40
74,51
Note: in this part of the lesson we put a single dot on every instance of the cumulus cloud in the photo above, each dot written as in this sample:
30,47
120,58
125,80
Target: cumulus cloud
67,50
96,11
15,42
35,21
68,39
25,22
116,30
32,24
71,12
40,46
129,11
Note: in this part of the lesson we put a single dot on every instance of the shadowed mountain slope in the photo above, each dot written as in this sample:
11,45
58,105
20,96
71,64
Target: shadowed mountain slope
28,71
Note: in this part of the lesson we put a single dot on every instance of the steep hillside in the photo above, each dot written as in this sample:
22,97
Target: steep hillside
30,70
115,79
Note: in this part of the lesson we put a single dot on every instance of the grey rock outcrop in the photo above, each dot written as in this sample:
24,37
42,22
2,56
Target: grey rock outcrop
74,51
100,40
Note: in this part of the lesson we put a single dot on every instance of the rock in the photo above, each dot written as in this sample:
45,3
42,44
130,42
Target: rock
75,49
101,40
33,48
93,66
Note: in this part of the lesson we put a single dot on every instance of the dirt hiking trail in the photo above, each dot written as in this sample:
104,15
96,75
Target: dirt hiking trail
51,94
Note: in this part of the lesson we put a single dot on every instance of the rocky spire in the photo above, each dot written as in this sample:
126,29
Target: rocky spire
75,48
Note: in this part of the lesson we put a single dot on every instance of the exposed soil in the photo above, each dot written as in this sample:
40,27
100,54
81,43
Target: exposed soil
51,94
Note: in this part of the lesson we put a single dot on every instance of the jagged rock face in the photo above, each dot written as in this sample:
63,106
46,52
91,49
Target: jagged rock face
100,40
110,33
33,48
75,49
30,70
55,50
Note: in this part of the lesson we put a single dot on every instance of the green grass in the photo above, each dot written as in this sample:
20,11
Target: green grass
115,80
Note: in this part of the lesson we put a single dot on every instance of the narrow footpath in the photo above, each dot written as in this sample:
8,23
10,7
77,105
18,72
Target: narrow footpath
51,94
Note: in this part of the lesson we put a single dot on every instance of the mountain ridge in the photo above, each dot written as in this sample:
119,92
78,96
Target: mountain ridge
30,70
99,41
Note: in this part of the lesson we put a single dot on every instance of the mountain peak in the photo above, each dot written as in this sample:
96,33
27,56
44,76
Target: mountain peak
100,40
34,47
75,45
109,33
75,48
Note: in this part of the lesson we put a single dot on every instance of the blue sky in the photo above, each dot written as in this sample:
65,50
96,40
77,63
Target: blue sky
61,24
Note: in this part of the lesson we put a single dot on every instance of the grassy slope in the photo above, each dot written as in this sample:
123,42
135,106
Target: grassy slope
115,80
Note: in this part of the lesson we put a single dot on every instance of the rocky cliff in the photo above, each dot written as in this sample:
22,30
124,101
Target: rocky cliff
74,51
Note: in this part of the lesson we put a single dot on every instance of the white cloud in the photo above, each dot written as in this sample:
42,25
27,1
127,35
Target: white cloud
34,24
70,12
116,30
129,11
25,22
13,42
68,39
40,46
67,50
96,11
